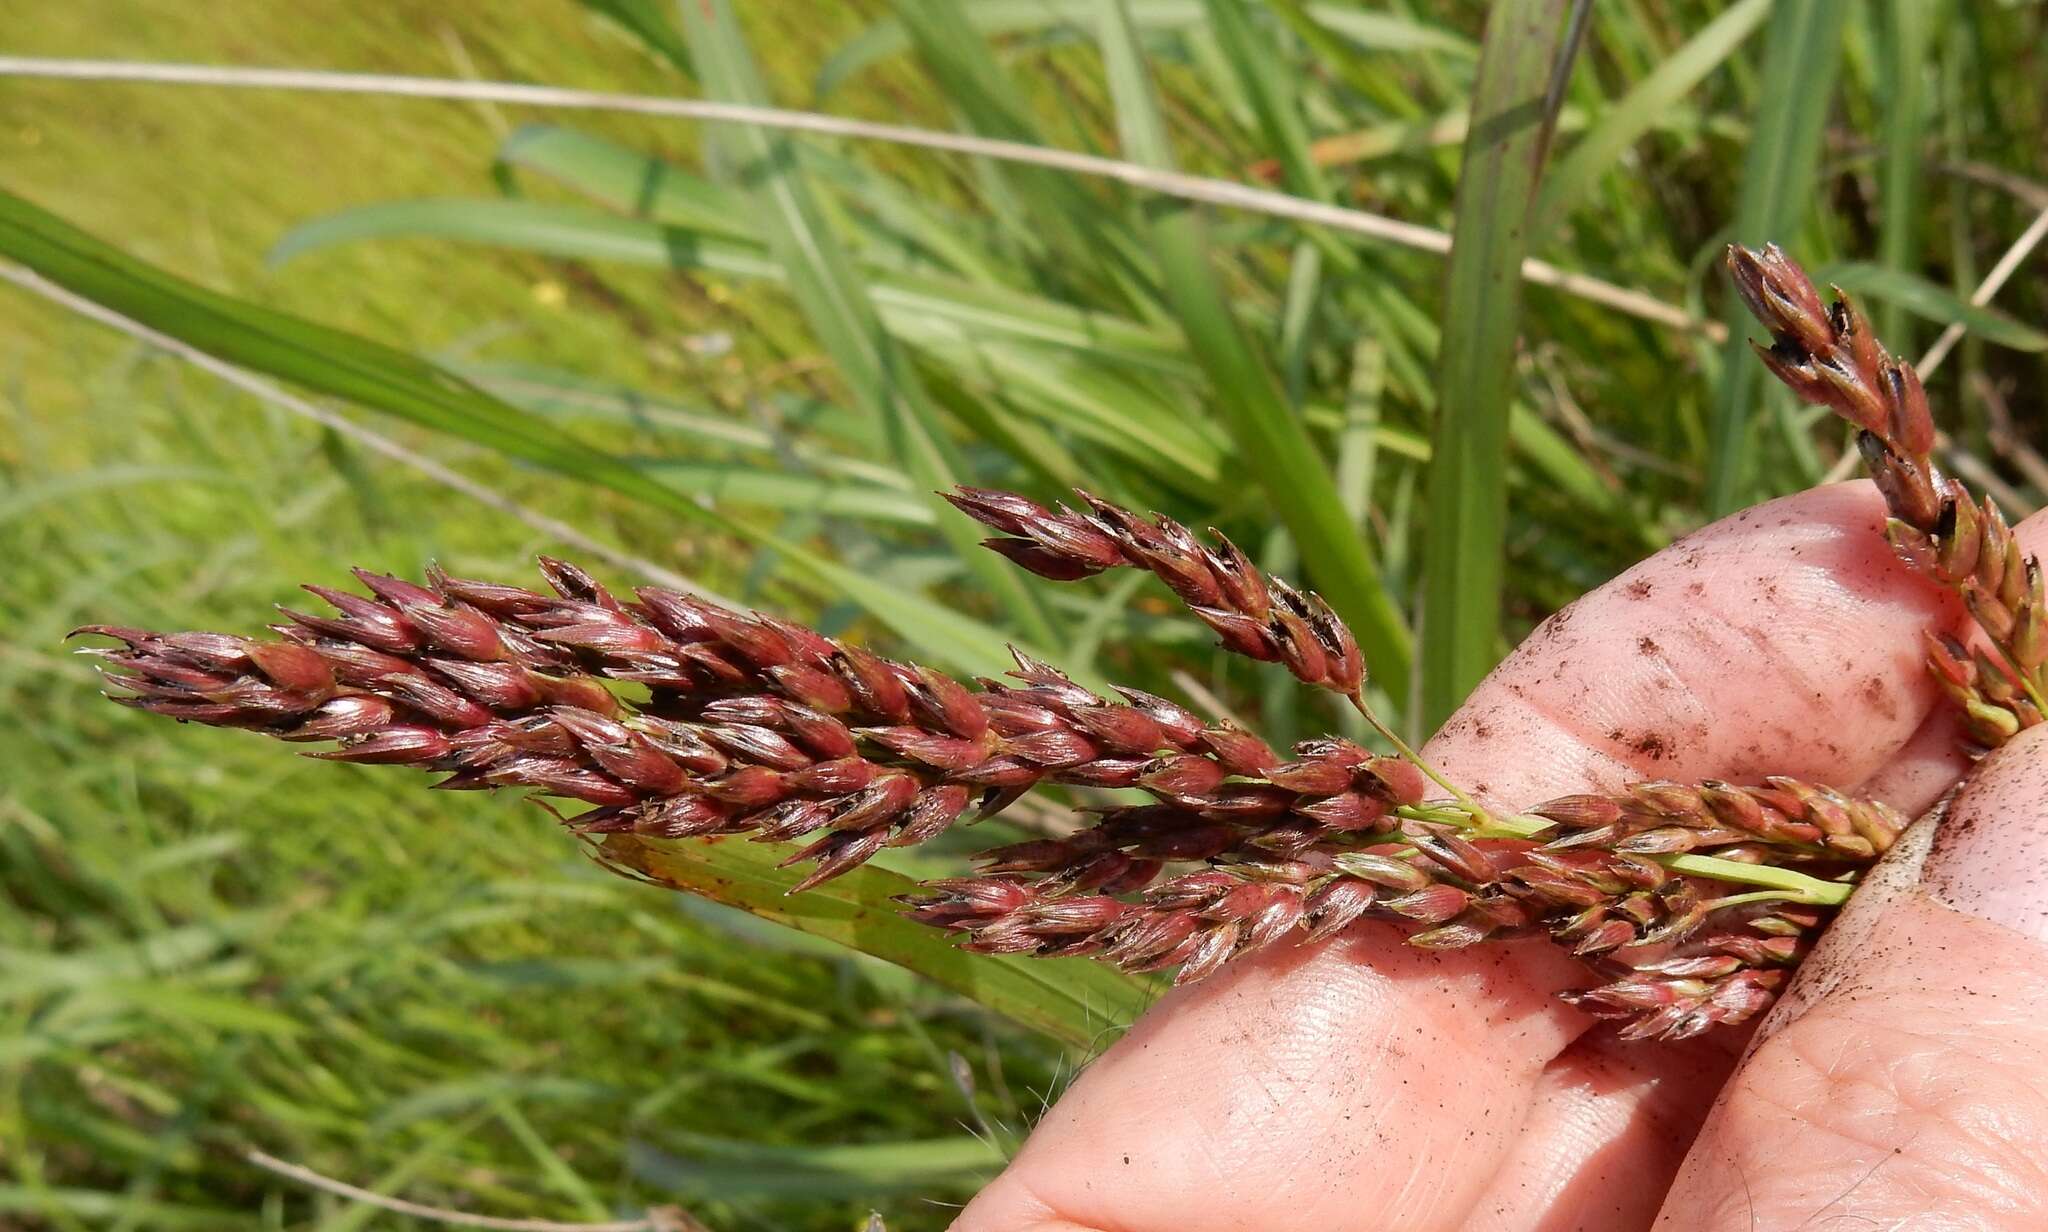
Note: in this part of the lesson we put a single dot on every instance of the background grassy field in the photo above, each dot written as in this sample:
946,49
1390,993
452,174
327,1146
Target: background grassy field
206,944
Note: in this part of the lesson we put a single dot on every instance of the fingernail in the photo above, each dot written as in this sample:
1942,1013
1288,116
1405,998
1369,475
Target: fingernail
1990,856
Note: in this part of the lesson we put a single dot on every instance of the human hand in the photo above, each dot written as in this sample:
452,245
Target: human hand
1367,1084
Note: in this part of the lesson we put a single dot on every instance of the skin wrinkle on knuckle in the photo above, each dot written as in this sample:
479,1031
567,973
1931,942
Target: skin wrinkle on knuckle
1034,1214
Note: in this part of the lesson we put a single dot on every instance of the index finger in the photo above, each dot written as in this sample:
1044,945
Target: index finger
1782,640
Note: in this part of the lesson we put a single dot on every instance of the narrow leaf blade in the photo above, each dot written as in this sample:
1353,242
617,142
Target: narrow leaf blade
1079,1002
1525,48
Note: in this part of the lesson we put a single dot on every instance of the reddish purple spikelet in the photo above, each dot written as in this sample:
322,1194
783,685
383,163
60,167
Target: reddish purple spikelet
1252,615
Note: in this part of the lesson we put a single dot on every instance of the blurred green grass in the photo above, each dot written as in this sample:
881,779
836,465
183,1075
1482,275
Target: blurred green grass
204,943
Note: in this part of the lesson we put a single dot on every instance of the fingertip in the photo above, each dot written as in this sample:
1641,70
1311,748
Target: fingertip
1781,640
1990,857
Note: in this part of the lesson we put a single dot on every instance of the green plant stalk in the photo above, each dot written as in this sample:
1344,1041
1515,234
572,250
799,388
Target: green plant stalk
1804,49
1469,814
1525,51
1783,883
1070,1000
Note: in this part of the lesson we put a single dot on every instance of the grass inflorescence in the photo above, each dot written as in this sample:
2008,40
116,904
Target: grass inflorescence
750,725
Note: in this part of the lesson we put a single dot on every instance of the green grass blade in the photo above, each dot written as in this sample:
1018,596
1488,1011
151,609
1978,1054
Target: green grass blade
1907,292
1546,450
1638,111
1804,51
564,398
721,1169
569,231
1525,50
646,20
1273,443
628,181
1361,64
1151,432
1271,86
1908,31
922,309
1358,438
376,376
794,492
103,1206
1077,1001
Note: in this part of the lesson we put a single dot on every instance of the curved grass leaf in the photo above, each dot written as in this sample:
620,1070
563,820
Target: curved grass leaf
628,181
385,379
791,491
1930,301
566,398
557,230
918,306
724,1169
108,1207
1273,443
1528,47
1080,1002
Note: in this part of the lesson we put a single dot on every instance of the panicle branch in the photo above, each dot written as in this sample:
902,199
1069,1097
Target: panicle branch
1827,354
751,725
1251,612
1676,961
